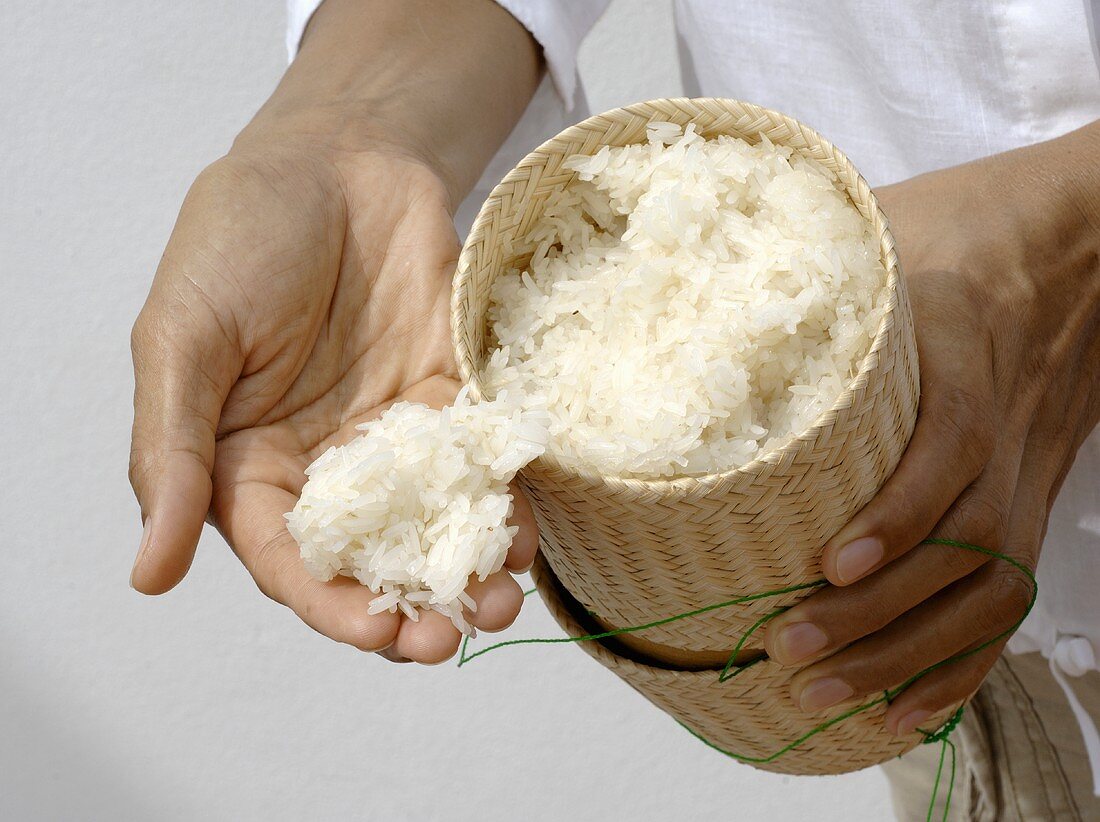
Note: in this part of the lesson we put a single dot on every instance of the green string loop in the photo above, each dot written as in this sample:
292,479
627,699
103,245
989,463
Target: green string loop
945,729
731,669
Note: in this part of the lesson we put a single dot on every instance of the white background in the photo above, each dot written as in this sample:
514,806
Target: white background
212,702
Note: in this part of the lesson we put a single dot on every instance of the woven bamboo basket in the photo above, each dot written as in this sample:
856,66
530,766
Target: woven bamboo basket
620,552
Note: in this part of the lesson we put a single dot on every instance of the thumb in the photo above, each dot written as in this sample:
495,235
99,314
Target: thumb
185,362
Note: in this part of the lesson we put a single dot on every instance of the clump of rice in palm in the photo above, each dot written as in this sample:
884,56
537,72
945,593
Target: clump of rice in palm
419,502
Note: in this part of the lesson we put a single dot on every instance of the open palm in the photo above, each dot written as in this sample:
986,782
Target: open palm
298,297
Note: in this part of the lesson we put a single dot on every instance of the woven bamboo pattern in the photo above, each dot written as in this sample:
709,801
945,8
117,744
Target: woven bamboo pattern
632,551
750,715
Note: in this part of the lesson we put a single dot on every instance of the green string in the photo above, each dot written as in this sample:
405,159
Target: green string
463,657
731,669
943,736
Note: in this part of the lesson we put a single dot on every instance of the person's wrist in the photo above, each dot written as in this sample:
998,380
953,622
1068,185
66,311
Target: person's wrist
439,83
1076,159
1059,180
339,133
1066,172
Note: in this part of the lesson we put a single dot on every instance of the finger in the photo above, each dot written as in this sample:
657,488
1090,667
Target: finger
978,608
1041,471
250,516
521,554
184,366
940,690
952,441
430,640
498,598
835,617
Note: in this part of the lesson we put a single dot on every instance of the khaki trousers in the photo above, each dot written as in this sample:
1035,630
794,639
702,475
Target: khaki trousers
1021,757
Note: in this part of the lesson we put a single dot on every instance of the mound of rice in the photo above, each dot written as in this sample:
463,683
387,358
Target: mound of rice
689,304
418,503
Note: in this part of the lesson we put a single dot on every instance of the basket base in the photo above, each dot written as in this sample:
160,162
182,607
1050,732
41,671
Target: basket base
752,716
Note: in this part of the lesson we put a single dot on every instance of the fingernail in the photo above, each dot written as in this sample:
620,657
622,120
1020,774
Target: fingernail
858,557
824,693
142,548
798,641
911,720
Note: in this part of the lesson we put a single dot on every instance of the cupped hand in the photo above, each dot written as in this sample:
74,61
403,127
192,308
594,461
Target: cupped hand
301,293
1002,263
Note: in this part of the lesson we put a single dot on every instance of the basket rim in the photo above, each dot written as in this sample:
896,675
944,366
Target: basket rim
680,486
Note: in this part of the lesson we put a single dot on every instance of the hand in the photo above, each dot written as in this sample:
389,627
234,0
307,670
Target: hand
1001,262
306,287
301,293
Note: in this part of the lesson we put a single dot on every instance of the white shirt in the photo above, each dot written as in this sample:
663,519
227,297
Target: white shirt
903,88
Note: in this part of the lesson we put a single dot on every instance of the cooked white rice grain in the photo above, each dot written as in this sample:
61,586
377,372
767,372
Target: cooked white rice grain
689,305
419,502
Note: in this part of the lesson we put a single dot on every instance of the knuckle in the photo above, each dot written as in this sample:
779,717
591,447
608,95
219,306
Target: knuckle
1006,603
955,563
137,469
1013,590
986,618
139,334
155,336
224,173
980,518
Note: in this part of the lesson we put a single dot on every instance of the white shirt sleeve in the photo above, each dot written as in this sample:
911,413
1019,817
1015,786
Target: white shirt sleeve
298,13
559,26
